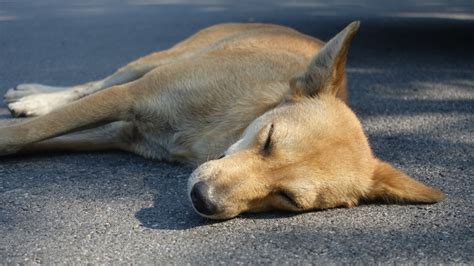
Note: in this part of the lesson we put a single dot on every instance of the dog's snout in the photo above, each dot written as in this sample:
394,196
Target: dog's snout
200,199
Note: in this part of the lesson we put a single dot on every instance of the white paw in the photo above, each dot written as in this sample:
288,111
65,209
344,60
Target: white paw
39,104
24,90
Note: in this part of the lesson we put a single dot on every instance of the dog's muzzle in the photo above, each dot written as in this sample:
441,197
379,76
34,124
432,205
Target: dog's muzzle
200,192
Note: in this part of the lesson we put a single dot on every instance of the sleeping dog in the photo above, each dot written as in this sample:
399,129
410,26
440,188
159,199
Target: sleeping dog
260,109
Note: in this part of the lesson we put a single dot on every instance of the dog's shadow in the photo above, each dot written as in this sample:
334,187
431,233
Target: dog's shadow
171,208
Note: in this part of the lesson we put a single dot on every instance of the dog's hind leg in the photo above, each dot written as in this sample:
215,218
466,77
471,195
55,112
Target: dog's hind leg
112,104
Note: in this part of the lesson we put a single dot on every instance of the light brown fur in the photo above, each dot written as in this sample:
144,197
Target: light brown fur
272,100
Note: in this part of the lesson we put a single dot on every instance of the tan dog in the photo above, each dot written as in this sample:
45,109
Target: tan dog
271,100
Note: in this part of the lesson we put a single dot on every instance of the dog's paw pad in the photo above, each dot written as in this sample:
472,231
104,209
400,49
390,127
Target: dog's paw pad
14,113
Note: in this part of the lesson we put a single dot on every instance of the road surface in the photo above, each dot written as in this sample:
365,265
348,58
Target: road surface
411,78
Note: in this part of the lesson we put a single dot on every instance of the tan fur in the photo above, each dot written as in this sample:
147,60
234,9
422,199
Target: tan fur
272,100
392,186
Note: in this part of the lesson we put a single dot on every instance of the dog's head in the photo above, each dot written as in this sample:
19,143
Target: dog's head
308,153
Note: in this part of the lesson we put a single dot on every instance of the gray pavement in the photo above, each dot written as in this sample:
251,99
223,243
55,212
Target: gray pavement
411,73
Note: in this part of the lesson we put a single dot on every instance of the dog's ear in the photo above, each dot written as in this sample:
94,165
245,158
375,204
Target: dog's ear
326,71
390,185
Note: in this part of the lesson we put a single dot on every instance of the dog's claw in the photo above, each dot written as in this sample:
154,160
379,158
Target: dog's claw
15,113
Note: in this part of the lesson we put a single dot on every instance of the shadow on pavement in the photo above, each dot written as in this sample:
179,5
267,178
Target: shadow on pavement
171,208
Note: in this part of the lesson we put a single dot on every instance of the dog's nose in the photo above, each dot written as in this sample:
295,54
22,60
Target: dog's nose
200,199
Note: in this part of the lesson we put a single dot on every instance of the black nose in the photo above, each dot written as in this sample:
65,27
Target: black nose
200,199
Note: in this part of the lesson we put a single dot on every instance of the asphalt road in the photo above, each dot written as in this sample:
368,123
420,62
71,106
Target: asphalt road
411,74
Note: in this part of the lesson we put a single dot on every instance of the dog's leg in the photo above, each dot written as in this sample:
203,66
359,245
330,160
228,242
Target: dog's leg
113,136
36,99
112,104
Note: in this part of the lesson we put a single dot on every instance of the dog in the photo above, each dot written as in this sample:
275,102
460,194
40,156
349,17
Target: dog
261,110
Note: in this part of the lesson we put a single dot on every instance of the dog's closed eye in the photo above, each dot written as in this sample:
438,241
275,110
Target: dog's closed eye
267,146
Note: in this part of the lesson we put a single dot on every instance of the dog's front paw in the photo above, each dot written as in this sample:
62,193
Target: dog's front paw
38,104
23,90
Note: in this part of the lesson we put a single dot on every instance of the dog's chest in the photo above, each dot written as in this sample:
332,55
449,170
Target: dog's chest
158,143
